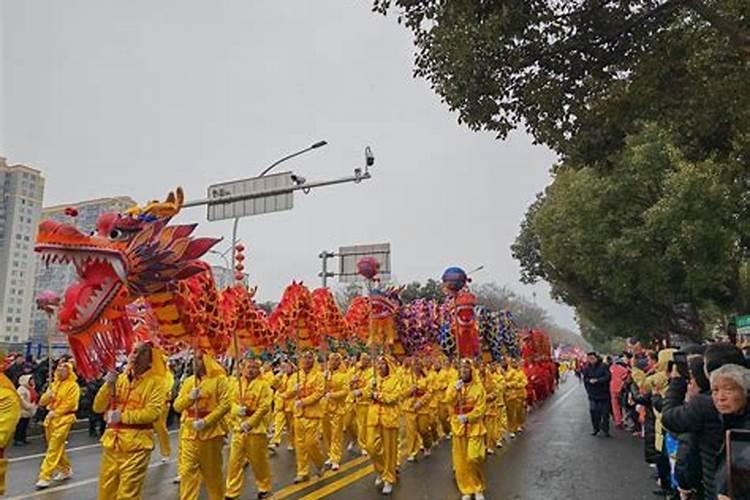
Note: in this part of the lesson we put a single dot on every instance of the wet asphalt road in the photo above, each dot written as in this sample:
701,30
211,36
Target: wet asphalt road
555,459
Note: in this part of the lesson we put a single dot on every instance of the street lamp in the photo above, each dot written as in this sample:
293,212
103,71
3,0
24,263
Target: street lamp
273,165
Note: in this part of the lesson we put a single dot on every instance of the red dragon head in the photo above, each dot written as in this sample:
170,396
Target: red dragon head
128,256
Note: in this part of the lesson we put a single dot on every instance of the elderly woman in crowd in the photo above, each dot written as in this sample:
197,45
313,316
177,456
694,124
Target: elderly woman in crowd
730,386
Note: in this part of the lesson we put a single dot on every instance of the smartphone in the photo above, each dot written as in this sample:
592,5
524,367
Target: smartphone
738,463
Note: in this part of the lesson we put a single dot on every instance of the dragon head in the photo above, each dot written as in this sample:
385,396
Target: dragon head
127,256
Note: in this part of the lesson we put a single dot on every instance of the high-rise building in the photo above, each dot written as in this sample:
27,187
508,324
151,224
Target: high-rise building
57,277
20,207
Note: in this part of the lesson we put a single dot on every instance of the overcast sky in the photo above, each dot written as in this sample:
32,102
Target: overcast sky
134,98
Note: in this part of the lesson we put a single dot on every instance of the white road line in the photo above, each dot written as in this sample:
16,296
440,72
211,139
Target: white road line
562,398
76,484
41,436
69,450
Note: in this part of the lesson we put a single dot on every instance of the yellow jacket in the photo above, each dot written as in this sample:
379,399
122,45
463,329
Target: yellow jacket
417,401
211,407
10,410
141,401
337,388
362,380
516,381
310,392
256,396
490,390
62,400
499,388
470,401
168,384
448,377
384,412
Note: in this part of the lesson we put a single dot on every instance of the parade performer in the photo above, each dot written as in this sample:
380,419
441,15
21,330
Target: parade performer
337,389
10,414
133,402
251,406
283,418
468,445
418,391
362,376
61,400
204,400
515,397
383,423
492,413
308,393
160,426
502,408
446,376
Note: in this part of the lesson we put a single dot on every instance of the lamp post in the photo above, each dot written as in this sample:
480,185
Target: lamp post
273,165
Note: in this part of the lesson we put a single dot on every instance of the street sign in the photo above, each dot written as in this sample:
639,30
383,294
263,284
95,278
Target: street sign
349,256
254,206
743,325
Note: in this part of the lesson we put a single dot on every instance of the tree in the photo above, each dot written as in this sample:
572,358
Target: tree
644,246
579,73
430,290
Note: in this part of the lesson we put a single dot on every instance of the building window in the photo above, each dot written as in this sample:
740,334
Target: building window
18,320
15,338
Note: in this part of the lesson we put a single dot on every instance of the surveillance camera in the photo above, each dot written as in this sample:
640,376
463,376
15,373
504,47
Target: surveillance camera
369,157
298,179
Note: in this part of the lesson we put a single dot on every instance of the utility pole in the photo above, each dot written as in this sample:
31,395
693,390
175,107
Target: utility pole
324,273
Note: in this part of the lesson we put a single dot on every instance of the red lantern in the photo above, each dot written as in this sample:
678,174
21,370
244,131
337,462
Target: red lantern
240,247
239,267
368,267
239,257
71,211
239,277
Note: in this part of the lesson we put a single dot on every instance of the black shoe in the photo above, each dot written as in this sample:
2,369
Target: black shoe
607,434
264,494
595,433
660,493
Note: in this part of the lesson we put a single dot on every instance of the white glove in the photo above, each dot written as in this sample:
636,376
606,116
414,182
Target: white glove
50,414
242,411
357,393
114,417
297,387
327,395
245,427
298,403
195,394
110,377
199,425
459,385
463,419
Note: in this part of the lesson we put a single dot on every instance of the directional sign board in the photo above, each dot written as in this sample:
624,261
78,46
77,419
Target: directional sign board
254,206
349,256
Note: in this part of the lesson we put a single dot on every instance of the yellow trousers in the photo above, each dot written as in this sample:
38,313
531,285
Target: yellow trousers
502,421
3,472
56,457
491,424
382,445
307,444
361,419
438,432
248,448
201,462
411,441
333,434
444,417
350,426
516,415
122,474
162,434
469,473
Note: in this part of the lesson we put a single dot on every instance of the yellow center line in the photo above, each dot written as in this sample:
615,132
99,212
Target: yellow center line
296,488
339,484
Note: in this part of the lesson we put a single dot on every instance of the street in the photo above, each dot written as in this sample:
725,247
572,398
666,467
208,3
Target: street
555,459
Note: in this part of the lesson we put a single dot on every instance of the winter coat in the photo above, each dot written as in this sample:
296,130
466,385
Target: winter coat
28,405
599,390
651,454
687,468
699,417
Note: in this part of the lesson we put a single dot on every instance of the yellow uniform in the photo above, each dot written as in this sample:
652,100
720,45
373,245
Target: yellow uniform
446,376
417,397
491,415
337,390
10,413
307,392
284,410
468,449
200,448
127,444
502,409
249,438
383,419
61,399
360,380
516,382
160,426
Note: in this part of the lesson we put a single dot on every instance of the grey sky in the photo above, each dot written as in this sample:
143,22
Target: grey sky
134,98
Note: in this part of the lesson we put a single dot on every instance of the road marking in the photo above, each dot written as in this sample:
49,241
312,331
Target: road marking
296,488
41,436
76,484
562,398
69,450
341,483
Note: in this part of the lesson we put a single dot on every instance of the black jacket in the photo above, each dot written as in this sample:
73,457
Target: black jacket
650,454
699,417
599,390
732,422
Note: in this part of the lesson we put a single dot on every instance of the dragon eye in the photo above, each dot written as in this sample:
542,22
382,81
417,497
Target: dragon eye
115,234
